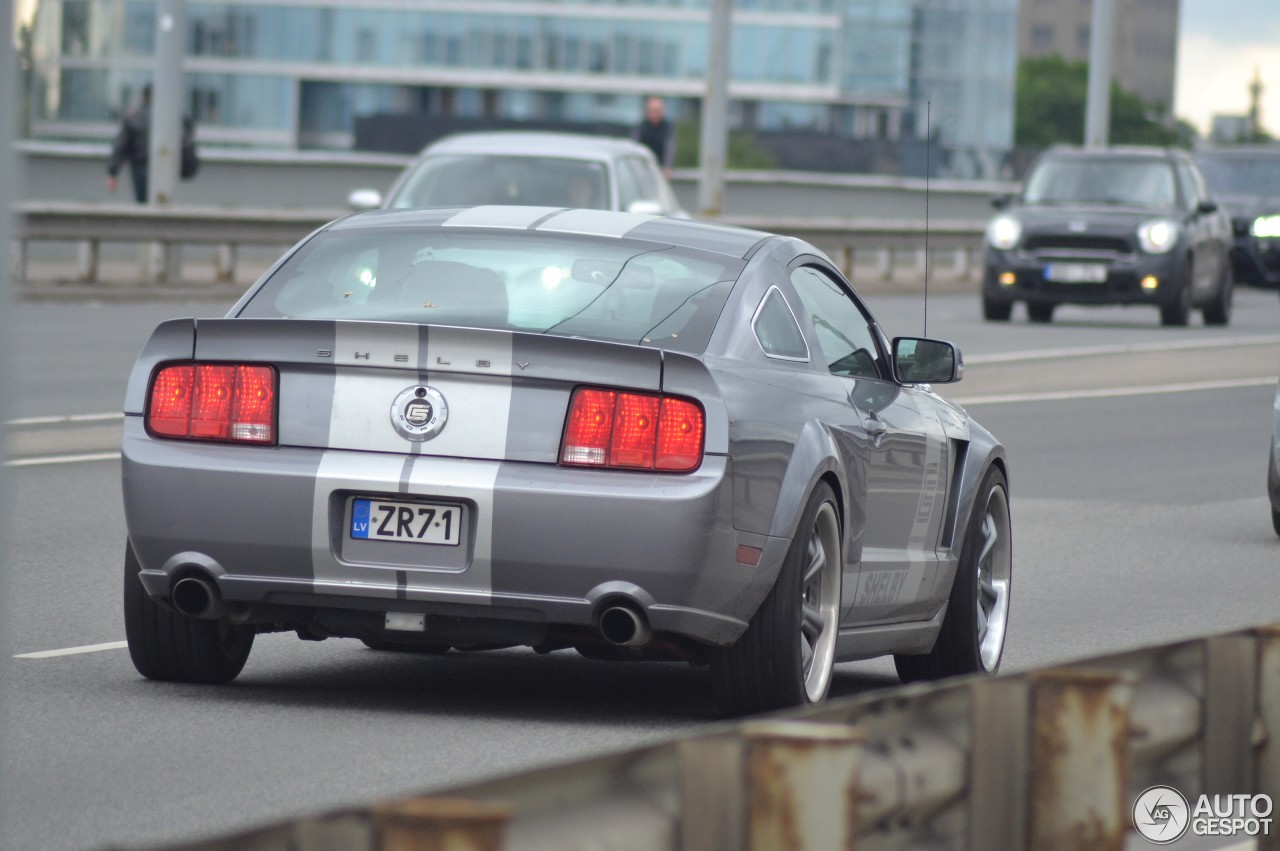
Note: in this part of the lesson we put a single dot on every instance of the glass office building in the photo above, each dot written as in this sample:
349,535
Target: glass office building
297,73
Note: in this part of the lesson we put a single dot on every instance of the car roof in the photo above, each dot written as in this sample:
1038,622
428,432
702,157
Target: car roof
1115,152
661,230
530,143
1250,152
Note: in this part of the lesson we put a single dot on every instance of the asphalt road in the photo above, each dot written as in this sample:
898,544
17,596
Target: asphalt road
1139,516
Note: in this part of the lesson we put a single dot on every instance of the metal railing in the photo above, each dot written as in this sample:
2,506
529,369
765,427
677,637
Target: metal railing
88,225
1049,759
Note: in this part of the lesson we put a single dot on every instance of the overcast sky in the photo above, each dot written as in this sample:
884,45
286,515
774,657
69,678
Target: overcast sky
1221,43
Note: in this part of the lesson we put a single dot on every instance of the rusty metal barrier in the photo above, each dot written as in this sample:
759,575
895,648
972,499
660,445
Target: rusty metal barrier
1049,759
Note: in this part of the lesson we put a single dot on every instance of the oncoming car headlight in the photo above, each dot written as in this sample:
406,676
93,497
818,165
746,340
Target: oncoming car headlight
1003,232
1158,236
1266,227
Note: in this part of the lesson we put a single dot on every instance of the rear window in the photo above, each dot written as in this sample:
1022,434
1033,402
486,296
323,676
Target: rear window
1122,182
613,290
471,180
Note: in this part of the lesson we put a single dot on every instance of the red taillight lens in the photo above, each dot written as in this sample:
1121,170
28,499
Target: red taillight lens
638,431
225,402
586,435
680,430
170,410
635,427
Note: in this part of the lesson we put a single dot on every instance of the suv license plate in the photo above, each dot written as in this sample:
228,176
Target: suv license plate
409,522
1076,273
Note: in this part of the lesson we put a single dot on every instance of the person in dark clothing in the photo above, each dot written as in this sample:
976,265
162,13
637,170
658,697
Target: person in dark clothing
132,146
657,134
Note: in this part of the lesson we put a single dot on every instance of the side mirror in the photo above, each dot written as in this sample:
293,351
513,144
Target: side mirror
1000,202
364,199
917,360
649,208
1207,207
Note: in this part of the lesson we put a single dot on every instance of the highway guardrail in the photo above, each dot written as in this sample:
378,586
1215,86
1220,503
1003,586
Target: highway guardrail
1053,759
849,241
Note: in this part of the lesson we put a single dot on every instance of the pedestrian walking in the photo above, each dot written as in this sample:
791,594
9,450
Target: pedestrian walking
132,146
657,134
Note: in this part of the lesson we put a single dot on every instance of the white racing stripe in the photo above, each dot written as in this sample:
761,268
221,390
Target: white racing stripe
1113,392
1122,349
74,651
62,459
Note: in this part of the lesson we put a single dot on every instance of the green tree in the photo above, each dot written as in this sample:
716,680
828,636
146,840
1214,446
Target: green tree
744,151
1050,103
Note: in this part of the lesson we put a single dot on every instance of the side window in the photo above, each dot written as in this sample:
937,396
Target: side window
776,329
843,332
1191,195
636,183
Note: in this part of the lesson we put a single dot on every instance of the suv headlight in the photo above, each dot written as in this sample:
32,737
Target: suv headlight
1003,232
1266,227
1158,236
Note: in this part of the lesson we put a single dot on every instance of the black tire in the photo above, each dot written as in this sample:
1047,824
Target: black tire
165,645
426,648
960,648
1039,311
996,311
766,669
1273,487
1178,314
1218,311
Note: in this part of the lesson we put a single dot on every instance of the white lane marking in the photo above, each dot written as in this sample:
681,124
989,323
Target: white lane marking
1122,349
74,651
62,459
58,419
1112,392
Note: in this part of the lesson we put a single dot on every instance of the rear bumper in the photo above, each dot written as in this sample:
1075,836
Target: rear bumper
542,547
1123,284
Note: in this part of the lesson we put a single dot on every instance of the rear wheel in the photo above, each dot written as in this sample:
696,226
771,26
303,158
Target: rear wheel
996,311
786,656
1040,311
1218,311
973,631
165,645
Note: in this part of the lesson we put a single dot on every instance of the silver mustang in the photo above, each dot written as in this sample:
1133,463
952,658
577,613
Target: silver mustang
635,436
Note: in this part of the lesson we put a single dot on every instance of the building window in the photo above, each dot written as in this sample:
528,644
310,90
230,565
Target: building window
1042,38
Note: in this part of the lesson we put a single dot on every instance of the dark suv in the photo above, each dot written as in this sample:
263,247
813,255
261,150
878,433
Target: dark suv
1247,182
1110,226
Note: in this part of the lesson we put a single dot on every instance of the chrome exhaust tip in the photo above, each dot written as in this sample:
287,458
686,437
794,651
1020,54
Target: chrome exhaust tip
197,597
624,626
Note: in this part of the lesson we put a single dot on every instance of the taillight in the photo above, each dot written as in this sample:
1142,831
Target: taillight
213,401
634,431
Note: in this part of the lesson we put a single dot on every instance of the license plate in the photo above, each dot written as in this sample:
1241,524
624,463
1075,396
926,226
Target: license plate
1075,273
409,522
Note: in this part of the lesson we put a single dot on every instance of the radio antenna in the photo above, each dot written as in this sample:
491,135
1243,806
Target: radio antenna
928,143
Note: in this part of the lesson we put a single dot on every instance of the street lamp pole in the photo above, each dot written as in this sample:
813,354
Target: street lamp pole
1097,117
165,154
715,111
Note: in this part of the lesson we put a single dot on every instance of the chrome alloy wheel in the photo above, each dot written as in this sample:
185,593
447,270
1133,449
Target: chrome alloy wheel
995,565
820,602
